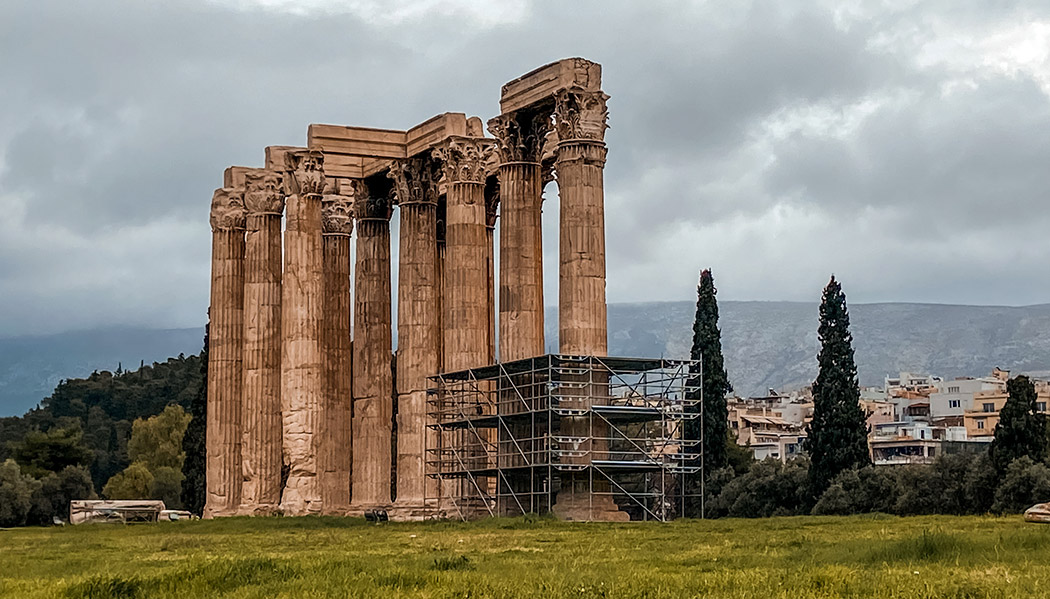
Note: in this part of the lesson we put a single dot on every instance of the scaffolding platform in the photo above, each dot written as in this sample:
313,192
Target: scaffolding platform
604,435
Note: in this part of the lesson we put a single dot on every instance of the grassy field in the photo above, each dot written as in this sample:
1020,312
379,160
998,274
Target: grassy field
864,556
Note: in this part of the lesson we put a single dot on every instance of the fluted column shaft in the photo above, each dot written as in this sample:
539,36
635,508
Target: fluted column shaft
582,320
261,454
465,302
373,384
225,356
301,373
466,271
336,441
521,261
418,343
337,448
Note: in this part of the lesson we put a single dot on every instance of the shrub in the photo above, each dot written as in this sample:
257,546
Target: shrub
769,487
859,491
1025,483
939,488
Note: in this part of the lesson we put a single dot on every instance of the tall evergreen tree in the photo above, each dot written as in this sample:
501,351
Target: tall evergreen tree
710,375
194,442
1022,429
838,434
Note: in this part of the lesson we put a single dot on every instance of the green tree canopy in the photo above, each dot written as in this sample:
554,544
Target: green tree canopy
838,434
104,405
710,376
156,448
51,498
135,482
42,452
1021,431
157,441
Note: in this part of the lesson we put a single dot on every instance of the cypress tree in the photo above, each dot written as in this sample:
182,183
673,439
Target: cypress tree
838,434
1021,430
710,375
194,442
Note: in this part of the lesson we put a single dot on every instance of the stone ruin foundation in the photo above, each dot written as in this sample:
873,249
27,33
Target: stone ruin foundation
310,411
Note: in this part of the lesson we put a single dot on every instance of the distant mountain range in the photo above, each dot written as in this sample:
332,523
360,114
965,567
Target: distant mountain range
31,367
766,344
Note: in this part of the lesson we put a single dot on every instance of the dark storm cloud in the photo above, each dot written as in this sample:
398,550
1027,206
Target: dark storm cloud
117,119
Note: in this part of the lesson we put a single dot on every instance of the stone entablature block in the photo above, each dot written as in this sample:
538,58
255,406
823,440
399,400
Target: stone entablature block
544,82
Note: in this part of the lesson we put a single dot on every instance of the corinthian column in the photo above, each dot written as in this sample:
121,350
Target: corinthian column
466,270
520,138
373,385
261,451
301,372
580,121
580,118
465,302
223,454
418,319
335,452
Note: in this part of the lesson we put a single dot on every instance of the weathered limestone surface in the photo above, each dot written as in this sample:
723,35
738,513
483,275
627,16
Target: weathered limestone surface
418,319
373,384
336,442
261,445
301,373
520,139
225,357
540,84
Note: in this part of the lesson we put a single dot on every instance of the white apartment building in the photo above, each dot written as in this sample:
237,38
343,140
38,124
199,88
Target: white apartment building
953,398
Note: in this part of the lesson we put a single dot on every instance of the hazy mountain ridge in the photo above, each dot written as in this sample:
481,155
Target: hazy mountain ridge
766,344
774,344
31,367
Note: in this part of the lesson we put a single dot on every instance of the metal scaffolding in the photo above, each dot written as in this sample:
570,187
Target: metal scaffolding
505,439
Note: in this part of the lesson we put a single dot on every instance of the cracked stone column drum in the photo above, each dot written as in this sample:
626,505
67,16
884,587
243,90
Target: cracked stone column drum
225,356
336,449
373,384
261,439
301,375
418,321
520,137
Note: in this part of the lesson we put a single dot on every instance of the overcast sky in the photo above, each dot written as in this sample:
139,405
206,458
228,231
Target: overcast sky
904,146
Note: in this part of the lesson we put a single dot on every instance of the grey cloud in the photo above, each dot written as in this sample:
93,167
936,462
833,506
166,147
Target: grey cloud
118,117
971,156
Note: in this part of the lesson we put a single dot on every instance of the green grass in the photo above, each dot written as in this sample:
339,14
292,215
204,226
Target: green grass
793,558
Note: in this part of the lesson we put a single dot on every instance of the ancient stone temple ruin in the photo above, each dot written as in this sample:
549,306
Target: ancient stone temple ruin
310,408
